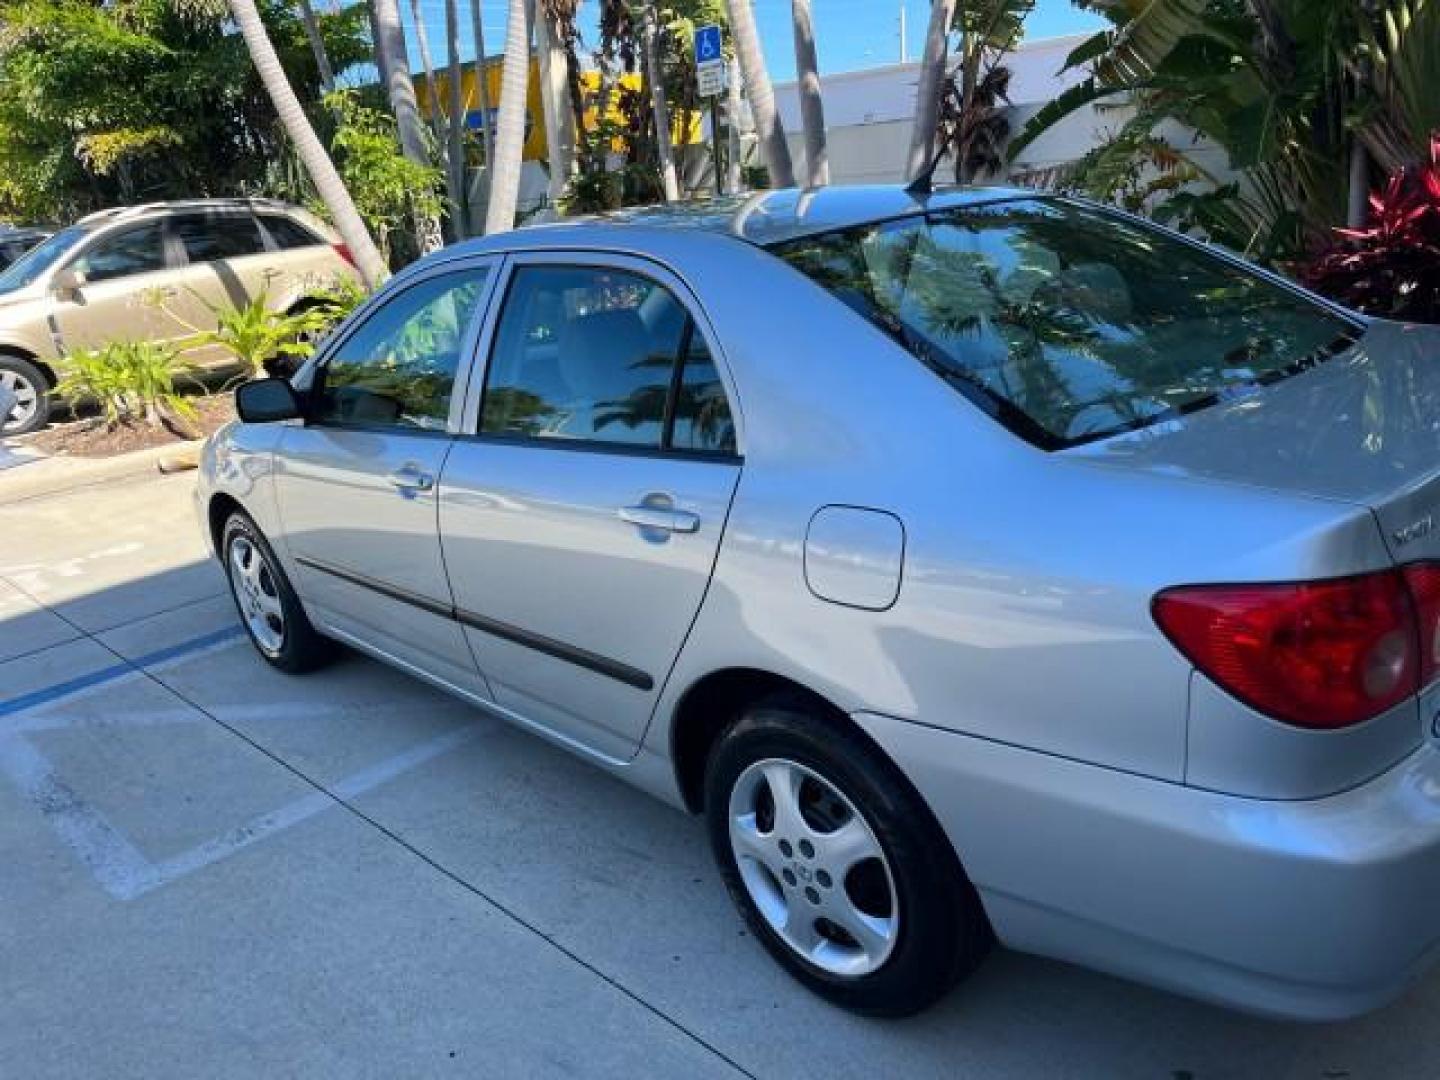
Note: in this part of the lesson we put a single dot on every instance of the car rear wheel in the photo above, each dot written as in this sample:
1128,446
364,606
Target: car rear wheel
27,390
837,864
269,609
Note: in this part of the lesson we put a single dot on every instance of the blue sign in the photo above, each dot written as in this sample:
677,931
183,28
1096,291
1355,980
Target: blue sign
707,44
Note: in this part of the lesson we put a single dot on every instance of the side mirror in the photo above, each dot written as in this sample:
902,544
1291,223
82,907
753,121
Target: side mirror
267,401
67,282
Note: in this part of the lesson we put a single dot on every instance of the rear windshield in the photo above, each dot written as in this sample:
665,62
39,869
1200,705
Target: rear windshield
1069,324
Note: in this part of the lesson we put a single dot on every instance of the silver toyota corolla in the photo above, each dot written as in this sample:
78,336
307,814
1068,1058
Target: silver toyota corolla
980,565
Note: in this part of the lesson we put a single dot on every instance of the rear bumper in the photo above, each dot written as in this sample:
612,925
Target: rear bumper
1318,909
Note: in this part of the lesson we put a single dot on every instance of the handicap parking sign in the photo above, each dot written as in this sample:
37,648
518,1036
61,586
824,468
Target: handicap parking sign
707,44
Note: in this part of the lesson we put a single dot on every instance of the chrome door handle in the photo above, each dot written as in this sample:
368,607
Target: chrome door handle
656,517
411,479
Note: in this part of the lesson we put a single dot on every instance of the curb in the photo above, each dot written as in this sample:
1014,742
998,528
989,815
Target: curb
56,475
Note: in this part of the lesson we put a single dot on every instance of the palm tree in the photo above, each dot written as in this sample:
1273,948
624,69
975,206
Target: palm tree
812,109
317,45
309,149
510,136
482,77
768,128
734,174
432,100
552,24
455,158
932,81
659,108
400,88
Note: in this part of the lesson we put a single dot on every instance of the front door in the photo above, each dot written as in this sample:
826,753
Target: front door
124,278
581,520
357,482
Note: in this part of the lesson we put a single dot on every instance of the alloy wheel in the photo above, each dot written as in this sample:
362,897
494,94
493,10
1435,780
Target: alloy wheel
813,867
27,401
253,581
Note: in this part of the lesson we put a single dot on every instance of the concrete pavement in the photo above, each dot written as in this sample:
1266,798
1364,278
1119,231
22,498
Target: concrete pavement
209,869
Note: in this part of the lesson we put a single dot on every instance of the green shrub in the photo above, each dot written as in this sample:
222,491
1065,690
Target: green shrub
256,336
132,381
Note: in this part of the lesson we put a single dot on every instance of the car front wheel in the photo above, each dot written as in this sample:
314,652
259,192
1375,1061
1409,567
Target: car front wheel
25,389
269,609
837,864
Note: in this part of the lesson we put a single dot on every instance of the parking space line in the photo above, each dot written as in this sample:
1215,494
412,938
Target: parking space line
70,687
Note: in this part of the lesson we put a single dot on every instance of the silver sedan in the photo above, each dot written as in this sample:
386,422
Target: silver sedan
982,566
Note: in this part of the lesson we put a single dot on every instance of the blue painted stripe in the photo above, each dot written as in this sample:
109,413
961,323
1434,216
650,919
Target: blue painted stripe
115,671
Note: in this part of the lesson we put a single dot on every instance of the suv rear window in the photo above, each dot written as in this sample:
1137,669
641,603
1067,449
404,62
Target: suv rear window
1065,323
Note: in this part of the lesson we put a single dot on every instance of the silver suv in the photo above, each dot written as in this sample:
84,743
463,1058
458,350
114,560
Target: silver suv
157,272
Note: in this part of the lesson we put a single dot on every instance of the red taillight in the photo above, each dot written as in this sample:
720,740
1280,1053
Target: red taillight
343,250
1321,654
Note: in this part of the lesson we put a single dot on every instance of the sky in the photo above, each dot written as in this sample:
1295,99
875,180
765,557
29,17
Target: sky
849,34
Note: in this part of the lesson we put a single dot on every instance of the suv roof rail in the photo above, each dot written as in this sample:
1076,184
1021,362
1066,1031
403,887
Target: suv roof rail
115,213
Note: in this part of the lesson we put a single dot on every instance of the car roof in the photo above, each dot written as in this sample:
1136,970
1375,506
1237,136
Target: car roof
122,213
762,218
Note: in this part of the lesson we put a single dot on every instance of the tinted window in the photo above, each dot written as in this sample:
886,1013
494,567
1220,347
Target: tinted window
208,238
135,251
584,353
702,412
1069,324
288,233
398,369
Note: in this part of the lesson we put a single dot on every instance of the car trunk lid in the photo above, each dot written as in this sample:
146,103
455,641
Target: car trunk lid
1363,427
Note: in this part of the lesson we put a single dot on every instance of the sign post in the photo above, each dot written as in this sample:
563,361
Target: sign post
710,81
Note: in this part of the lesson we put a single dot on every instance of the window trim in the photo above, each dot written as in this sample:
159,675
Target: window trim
598,259
311,377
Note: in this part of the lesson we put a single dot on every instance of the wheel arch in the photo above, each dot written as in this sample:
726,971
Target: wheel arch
222,505
19,352
712,703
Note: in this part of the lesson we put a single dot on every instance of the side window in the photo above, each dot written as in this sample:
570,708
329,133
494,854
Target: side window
584,353
702,420
134,251
210,237
288,233
398,369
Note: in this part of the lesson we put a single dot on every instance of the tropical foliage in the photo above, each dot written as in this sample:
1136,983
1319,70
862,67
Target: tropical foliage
973,127
1291,91
104,104
131,381
1391,266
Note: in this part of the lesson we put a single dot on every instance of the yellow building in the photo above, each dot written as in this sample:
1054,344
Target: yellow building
535,145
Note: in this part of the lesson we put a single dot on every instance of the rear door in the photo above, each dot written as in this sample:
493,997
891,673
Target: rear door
582,508
225,265
356,484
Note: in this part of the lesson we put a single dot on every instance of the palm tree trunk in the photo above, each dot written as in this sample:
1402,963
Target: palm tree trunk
400,88
555,104
659,109
510,133
812,108
317,45
932,80
432,99
455,174
482,78
768,129
312,154
734,173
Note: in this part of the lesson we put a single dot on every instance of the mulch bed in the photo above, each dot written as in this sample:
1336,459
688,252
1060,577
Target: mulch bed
88,437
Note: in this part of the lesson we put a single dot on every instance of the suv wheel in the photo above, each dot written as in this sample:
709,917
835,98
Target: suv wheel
837,864
277,624
26,384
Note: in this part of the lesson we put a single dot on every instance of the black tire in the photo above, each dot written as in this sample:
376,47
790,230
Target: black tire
942,929
301,647
21,372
